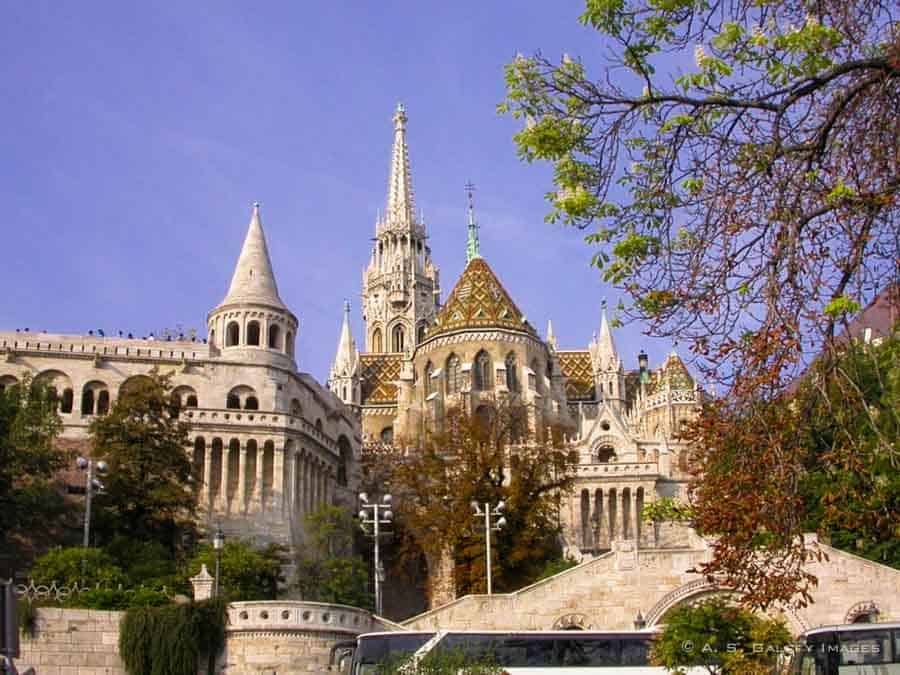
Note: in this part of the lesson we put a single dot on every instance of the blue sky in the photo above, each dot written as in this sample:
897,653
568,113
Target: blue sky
136,136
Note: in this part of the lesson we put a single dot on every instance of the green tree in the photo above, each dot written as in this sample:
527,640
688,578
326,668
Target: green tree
245,572
327,569
743,202
77,565
720,638
31,505
150,492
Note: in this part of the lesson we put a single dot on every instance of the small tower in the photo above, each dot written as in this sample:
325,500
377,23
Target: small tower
343,380
252,324
400,285
609,372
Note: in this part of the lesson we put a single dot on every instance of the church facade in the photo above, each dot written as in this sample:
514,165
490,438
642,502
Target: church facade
421,358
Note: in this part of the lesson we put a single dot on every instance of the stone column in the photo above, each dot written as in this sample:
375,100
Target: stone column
223,488
626,513
307,469
257,496
242,479
292,483
636,521
207,477
278,480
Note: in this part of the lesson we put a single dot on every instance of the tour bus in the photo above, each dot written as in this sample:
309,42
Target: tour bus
854,649
520,652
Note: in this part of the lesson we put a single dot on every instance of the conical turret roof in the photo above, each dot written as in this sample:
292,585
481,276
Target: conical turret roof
254,279
347,358
479,301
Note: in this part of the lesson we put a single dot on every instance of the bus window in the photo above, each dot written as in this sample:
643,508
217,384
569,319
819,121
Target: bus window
863,648
580,652
635,652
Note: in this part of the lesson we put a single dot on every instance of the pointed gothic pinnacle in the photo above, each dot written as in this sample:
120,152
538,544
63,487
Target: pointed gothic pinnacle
473,246
551,338
401,209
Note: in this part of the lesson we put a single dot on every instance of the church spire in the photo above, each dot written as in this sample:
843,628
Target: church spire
254,278
605,342
342,380
551,337
473,249
401,208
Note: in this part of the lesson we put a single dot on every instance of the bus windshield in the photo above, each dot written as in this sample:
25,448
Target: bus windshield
859,649
373,649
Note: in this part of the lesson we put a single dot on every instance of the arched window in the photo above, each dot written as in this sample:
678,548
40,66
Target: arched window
376,340
483,379
346,454
512,375
65,405
398,336
87,402
251,403
420,332
289,343
212,337
253,333
319,425
191,401
605,454
232,334
103,402
452,375
234,402
534,377
296,409
387,435
426,375
274,337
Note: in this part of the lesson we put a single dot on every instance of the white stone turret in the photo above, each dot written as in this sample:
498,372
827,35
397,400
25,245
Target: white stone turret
400,285
551,337
609,371
343,380
252,323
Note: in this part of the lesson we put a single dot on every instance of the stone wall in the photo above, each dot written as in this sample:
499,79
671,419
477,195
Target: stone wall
261,638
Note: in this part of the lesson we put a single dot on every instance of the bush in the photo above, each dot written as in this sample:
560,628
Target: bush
84,566
556,566
117,599
245,573
340,580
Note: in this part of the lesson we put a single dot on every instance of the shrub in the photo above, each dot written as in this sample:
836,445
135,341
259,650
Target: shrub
85,566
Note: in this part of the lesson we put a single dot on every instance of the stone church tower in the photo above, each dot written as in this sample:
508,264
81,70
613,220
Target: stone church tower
400,286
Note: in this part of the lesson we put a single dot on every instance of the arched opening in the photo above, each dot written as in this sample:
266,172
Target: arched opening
586,538
66,400
512,373
252,458
183,395
483,377
215,471
87,402
626,514
199,457
232,334
427,384
289,343
233,402
296,409
398,338
191,401
345,455
604,454
319,425
274,337
452,375
240,397
376,340
611,509
253,333
251,403
268,460
535,381
103,402
420,332
387,435
597,518
57,384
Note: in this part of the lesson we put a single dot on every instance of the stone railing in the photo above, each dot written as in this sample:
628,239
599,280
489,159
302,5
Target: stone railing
617,468
671,396
255,418
288,615
101,347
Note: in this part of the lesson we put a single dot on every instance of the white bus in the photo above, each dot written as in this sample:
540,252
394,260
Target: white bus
853,649
519,652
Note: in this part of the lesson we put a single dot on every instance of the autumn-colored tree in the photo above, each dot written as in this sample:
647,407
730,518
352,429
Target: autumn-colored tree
484,457
150,491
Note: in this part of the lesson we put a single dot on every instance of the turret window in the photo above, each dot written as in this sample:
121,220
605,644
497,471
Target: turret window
289,343
252,403
420,332
274,337
376,341
253,333
398,336
483,376
512,376
232,334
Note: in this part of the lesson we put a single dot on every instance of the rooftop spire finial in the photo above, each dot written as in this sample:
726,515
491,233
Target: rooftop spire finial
472,244
401,208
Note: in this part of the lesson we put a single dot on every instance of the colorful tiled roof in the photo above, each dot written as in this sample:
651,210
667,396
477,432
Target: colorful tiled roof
576,366
479,301
379,374
675,373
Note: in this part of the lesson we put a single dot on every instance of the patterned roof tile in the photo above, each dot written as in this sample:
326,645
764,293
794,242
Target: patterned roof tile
379,374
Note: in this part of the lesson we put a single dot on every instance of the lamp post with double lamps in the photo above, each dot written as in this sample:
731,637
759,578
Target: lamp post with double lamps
218,544
90,484
375,514
487,512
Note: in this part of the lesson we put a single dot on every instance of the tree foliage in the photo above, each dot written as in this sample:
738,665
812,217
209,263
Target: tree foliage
327,568
720,638
245,572
824,459
150,491
29,426
744,201
472,459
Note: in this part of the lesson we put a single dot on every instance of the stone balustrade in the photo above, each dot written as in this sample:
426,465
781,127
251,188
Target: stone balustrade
293,615
255,419
617,469
91,346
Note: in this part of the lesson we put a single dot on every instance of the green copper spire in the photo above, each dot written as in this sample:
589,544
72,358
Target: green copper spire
472,246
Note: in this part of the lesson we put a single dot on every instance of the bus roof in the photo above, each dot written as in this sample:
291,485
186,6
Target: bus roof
649,632
854,627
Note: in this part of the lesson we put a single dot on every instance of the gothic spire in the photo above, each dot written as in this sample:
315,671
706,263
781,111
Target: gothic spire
472,243
254,279
603,348
551,338
401,208
346,358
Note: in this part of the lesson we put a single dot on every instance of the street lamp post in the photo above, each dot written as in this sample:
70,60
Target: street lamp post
90,484
489,511
218,545
375,514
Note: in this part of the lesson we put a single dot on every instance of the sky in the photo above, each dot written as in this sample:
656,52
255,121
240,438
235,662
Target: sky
135,137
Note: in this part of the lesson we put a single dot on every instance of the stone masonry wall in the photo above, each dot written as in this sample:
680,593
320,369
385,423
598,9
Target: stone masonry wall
73,642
